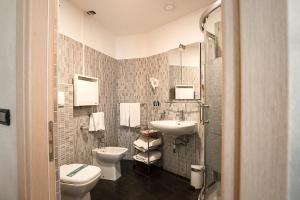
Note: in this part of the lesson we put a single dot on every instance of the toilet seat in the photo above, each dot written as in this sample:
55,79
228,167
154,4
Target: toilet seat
85,175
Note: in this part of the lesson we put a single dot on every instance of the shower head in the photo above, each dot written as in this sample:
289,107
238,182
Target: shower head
90,12
182,47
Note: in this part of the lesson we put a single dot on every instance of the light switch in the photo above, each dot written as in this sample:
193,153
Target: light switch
5,117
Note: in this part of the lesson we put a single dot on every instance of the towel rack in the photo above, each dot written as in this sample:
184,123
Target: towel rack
83,127
142,104
184,101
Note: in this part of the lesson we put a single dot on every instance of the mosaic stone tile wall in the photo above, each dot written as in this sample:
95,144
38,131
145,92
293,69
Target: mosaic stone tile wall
65,126
180,161
69,62
134,86
55,119
55,126
75,144
119,81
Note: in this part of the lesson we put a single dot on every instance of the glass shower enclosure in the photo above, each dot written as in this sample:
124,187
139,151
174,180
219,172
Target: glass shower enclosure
211,107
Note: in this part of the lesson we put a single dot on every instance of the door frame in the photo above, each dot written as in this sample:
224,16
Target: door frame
33,18
255,115
32,103
35,172
231,119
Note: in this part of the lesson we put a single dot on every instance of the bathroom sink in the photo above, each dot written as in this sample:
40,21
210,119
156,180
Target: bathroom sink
174,127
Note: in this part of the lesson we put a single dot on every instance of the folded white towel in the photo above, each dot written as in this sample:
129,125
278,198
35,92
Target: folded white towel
140,148
97,121
124,114
142,142
134,114
143,157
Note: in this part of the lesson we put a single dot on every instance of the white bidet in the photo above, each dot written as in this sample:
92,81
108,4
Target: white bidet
108,159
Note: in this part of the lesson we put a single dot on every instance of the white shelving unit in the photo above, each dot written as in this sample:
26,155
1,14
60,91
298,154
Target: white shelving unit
149,134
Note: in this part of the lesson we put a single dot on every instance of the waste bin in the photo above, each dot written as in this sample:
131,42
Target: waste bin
197,176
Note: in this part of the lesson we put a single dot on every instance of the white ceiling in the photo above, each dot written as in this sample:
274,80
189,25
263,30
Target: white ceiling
125,17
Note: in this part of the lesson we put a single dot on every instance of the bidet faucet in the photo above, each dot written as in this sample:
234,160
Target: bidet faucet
163,115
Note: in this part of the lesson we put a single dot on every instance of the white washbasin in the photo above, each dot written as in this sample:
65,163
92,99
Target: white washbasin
175,127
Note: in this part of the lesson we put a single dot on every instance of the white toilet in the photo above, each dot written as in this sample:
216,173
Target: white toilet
108,159
78,186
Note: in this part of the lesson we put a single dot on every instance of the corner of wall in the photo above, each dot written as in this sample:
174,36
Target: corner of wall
85,29
184,30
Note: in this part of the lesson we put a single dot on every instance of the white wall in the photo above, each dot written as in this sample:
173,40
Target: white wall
132,46
294,99
8,147
190,56
182,31
75,24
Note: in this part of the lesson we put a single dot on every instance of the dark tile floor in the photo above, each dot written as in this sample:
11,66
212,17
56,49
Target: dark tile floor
136,185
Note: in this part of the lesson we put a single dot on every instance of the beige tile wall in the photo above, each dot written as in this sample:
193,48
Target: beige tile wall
74,144
134,86
119,81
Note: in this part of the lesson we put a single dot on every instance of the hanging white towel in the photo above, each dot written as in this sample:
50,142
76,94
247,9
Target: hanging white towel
124,114
97,121
92,123
134,114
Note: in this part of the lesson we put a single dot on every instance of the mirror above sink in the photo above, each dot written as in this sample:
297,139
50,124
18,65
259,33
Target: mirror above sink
184,70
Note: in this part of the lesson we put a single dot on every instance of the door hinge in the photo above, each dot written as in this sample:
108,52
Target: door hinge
51,143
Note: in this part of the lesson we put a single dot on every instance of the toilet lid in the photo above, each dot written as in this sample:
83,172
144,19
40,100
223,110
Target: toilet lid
83,176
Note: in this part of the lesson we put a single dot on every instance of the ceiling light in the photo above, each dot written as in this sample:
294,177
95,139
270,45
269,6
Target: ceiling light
169,7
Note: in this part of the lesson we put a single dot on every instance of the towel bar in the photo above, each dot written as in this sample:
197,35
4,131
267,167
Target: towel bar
82,127
142,104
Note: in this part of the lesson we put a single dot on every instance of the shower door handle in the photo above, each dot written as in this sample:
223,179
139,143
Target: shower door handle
203,106
205,122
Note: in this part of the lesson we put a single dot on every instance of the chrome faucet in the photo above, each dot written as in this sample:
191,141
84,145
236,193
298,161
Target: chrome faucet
163,115
181,115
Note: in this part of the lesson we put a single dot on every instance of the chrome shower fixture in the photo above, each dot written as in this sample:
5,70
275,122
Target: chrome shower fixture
182,47
207,12
91,12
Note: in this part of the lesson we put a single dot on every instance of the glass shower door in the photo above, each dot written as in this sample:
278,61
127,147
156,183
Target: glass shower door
212,106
